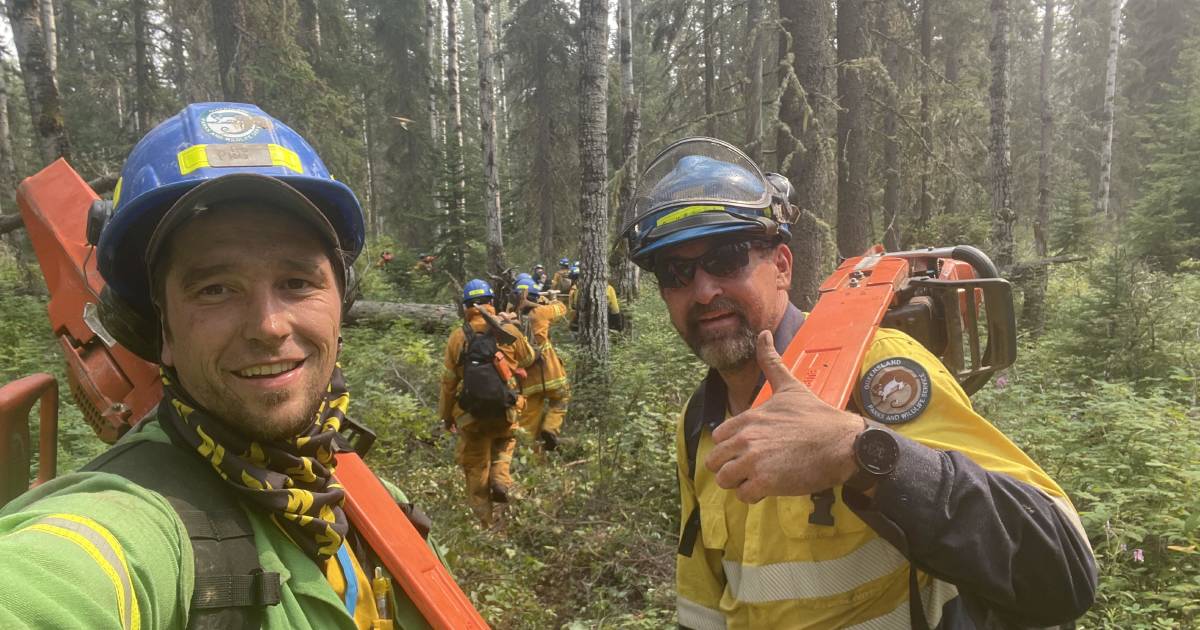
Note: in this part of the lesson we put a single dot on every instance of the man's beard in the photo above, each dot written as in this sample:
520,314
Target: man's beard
723,351
230,409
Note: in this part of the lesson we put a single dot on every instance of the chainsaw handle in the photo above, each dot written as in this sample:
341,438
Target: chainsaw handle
979,261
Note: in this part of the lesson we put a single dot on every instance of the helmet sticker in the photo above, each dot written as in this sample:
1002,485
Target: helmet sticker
895,390
233,125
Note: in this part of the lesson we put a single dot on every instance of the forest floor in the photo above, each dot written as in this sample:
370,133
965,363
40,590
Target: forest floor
591,541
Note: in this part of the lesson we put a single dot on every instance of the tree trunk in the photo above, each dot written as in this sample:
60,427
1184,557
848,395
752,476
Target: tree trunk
428,317
800,142
374,221
925,203
1033,314
50,28
593,200
1003,215
756,36
41,84
175,38
454,147
853,220
891,144
233,49
626,273
8,169
953,62
143,67
433,23
1110,97
542,171
309,35
504,145
487,132
710,119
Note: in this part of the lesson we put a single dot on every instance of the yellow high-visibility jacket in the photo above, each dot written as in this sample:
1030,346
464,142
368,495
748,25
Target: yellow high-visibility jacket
547,373
519,354
965,504
614,305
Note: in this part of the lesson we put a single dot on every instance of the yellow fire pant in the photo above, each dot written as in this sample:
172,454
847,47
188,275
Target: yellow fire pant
485,454
545,412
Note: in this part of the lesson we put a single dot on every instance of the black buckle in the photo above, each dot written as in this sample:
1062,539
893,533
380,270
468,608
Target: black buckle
357,435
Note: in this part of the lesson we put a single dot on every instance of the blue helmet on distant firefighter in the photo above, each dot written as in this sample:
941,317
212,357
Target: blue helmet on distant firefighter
477,290
211,153
701,187
564,262
528,285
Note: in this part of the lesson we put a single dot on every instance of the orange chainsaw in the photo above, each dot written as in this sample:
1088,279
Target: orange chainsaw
115,389
932,294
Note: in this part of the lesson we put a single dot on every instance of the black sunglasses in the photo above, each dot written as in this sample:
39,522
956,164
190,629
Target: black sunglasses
722,261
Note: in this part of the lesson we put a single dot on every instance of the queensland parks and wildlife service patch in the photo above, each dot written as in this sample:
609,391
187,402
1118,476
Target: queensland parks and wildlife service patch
233,125
895,390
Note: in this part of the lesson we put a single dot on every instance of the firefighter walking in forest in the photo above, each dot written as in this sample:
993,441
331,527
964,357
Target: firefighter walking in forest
480,399
615,320
561,281
795,514
545,385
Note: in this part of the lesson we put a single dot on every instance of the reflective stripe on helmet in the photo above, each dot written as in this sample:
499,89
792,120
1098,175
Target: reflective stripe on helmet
227,155
684,213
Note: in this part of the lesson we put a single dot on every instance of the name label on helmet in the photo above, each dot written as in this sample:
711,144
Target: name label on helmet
239,155
226,155
686,212
474,292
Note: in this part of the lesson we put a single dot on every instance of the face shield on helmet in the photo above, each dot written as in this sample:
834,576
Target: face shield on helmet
702,187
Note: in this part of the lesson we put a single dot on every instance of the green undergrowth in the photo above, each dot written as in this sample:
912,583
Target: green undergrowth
1105,401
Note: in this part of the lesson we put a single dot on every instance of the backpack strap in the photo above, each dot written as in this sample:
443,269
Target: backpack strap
231,587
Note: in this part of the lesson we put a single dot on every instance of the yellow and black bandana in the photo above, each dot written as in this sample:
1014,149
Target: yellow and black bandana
290,479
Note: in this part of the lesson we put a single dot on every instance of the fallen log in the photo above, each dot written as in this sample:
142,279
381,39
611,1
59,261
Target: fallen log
427,317
10,222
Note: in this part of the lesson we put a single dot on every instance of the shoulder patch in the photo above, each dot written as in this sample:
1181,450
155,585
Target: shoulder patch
895,390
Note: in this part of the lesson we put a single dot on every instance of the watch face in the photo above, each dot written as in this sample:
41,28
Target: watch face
877,452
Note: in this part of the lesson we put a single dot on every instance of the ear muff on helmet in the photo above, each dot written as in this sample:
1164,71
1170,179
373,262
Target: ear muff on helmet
353,290
132,329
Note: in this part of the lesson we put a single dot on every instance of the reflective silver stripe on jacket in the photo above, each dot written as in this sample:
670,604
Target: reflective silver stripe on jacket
697,617
103,548
806,580
933,598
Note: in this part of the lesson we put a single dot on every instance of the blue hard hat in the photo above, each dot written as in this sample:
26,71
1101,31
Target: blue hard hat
476,289
699,188
564,262
236,144
527,284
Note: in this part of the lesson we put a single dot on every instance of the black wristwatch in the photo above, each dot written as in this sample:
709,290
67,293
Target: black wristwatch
876,452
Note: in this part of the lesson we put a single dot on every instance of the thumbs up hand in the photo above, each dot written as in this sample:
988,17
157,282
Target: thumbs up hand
794,444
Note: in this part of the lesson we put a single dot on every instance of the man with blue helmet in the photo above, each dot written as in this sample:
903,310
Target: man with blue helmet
480,398
539,276
799,515
230,246
545,385
560,281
